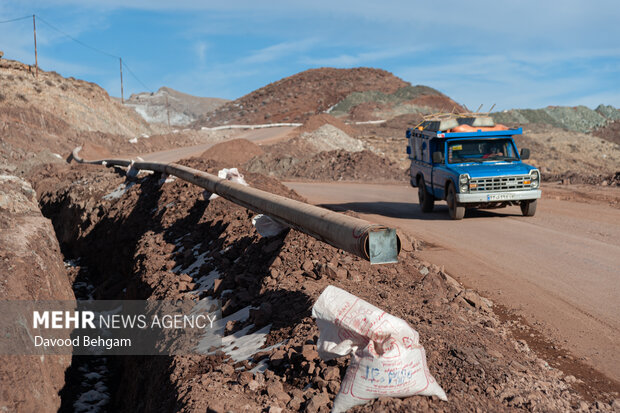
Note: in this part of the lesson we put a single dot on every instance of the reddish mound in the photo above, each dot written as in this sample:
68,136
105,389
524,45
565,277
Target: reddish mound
316,121
348,166
610,132
92,151
296,98
233,153
439,103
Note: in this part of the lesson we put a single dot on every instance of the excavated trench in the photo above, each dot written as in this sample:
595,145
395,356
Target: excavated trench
149,239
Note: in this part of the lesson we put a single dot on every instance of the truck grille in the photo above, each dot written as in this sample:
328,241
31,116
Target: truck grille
500,183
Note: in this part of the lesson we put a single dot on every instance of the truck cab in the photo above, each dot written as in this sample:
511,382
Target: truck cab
471,163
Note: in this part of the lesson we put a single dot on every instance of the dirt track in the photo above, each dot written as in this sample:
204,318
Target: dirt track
267,135
558,269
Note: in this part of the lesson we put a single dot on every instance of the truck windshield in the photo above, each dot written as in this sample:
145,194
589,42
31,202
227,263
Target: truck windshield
481,150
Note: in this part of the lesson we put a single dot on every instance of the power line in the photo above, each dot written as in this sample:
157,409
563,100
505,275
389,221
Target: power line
136,77
78,41
17,19
95,49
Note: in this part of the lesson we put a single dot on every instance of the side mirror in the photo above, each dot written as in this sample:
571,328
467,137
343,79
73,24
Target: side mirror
525,153
437,157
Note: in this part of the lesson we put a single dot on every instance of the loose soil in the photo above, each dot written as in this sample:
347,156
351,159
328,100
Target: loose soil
341,165
234,152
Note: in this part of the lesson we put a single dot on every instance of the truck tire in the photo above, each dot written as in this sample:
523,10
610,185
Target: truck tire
456,211
528,208
426,200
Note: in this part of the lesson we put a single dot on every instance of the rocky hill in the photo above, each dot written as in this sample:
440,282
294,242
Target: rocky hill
577,118
181,108
363,106
295,98
81,105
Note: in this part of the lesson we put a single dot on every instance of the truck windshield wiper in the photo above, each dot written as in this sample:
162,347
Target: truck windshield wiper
511,159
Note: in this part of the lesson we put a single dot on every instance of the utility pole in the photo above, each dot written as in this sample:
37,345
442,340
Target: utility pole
120,61
36,61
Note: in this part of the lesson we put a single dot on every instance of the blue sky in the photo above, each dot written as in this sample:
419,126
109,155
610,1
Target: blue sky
516,54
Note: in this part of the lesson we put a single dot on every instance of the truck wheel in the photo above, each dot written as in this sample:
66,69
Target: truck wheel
426,200
528,208
456,211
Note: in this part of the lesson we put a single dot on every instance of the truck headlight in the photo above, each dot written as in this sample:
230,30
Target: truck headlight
464,183
535,177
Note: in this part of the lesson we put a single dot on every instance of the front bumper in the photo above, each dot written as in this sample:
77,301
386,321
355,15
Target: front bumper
502,196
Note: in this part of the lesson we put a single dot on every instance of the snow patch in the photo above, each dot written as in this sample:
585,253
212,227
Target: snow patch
119,191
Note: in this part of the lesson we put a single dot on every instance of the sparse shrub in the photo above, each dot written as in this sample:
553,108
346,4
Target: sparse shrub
20,78
2,97
49,83
21,97
11,77
64,86
38,89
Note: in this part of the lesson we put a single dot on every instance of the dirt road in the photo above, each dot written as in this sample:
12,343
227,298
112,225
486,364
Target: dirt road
259,136
559,269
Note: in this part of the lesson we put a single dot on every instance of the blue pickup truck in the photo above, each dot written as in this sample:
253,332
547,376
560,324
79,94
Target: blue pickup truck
476,168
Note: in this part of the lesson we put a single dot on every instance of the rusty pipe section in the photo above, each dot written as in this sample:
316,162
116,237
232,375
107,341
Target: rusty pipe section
373,242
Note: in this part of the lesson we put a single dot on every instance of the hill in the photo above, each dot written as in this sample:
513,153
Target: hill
576,118
296,98
182,108
81,105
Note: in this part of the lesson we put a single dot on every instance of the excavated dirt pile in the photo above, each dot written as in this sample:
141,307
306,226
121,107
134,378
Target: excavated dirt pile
341,165
233,152
155,239
321,150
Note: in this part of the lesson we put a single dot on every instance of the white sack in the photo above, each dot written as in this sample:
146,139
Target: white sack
386,357
266,226
231,174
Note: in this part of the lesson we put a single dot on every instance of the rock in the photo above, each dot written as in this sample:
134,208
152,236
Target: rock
275,390
518,366
570,379
277,357
295,403
331,373
253,385
274,409
317,402
217,284
245,377
424,271
307,266
308,352
474,299
227,369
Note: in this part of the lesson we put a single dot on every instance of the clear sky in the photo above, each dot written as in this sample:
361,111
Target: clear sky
517,54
